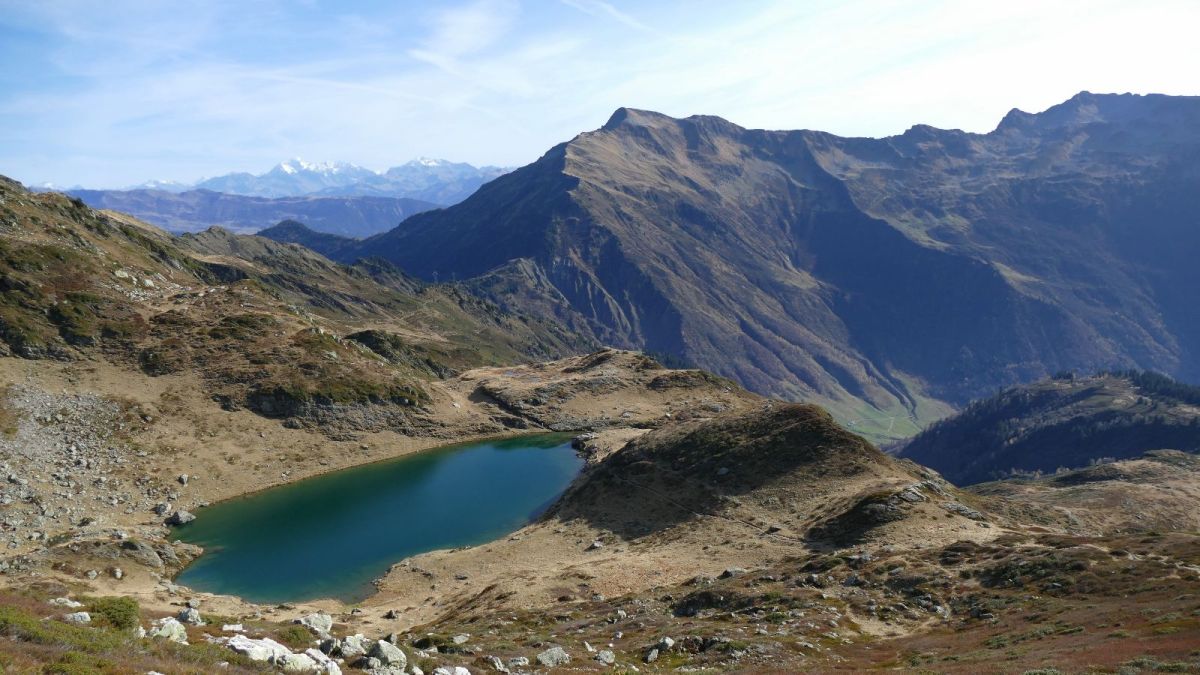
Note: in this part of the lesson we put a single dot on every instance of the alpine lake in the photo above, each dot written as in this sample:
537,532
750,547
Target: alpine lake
331,535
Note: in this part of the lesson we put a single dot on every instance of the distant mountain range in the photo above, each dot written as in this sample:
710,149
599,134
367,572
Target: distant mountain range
196,210
431,180
331,197
881,277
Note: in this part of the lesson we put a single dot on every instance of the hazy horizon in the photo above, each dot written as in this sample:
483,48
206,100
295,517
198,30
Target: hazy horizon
118,95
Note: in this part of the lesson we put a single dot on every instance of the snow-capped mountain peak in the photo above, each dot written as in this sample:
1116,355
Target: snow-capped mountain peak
296,165
425,178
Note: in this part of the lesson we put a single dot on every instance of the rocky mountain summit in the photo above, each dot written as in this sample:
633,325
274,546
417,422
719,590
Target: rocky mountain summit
876,276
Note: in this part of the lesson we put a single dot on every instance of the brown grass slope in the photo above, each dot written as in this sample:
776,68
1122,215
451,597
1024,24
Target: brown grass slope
271,326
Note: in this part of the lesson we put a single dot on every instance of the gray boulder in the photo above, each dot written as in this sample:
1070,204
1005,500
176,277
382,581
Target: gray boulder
169,629
554,657
324,663
191,616
180,517
295,663
388,654
354,646
318,622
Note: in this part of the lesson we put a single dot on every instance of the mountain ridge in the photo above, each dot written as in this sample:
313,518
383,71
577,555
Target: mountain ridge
878,276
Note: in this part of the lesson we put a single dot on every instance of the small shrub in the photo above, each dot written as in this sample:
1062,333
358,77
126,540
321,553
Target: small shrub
118,612
294,636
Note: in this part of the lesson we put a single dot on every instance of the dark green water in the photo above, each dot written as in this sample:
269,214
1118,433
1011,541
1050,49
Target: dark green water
329,536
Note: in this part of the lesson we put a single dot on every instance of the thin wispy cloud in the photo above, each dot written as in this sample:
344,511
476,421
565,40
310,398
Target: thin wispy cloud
606,9
114,94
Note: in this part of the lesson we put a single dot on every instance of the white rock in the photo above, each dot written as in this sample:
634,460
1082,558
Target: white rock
65,602
78,617
324,663
295,663
318,622
233,628
607,657
262,649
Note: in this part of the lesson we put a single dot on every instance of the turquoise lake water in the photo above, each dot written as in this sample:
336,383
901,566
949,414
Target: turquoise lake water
329,536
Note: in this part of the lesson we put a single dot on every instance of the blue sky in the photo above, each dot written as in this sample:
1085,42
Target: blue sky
114,93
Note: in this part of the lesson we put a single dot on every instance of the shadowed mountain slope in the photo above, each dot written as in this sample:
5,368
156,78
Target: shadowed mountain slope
294,232
869,274
1066,422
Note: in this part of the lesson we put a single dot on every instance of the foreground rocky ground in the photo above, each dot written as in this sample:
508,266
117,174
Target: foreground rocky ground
762,538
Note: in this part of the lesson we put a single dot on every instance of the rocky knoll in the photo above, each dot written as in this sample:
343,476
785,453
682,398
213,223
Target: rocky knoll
787,469
868,274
